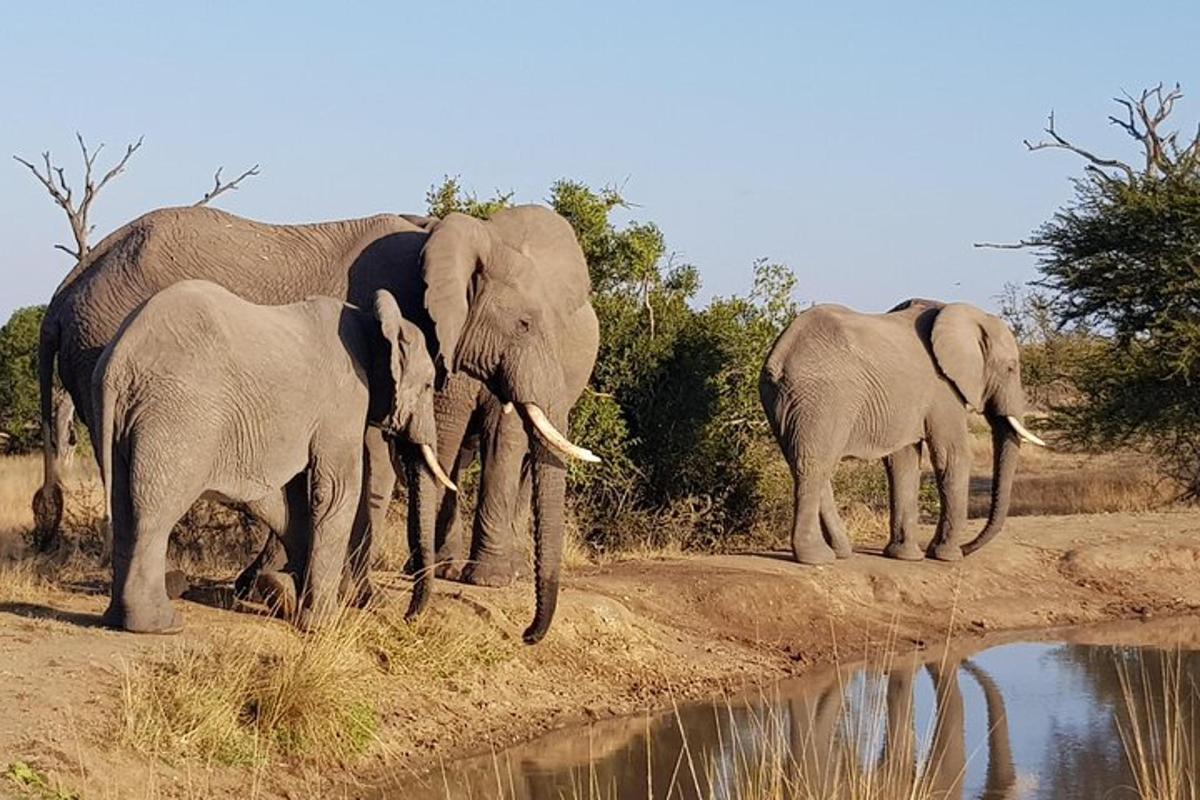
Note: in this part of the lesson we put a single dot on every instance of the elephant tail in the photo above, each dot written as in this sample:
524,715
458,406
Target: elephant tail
48,500
104,403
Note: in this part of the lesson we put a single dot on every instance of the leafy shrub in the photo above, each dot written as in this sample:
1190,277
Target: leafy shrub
20,412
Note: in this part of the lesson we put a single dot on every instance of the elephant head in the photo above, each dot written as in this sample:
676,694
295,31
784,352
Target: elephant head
497,318
402,405
978,354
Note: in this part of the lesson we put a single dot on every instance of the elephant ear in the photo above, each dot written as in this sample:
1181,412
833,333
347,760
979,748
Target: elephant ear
958,345
453,255
399,336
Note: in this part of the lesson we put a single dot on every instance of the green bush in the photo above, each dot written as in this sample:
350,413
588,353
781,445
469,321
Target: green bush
1120,264
20,412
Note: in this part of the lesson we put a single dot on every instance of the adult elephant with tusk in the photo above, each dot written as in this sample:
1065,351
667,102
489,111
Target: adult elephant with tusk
839,383
478,290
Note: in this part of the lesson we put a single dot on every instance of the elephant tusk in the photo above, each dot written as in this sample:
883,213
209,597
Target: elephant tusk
1023,432
436,468
555,439
506,408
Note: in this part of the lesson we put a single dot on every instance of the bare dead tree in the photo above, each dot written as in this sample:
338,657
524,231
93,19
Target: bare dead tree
1163,154
219,187
56,184
54,179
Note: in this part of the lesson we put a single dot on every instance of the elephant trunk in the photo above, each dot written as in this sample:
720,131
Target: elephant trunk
422,508
1005,447
549,489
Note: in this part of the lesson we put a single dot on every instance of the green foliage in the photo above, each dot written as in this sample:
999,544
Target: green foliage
20,412
1052,358
449,196
34,784
1121,266
673,404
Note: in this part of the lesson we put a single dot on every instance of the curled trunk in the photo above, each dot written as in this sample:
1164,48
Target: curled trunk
1005,449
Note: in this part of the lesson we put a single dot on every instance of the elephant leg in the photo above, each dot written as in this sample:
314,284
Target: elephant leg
335,484
904,483
370,522
898,759
831,524
952,468
141,528
808,544
947,751
276,512
503,446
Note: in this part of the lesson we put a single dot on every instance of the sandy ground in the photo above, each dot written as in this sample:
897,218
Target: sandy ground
629,637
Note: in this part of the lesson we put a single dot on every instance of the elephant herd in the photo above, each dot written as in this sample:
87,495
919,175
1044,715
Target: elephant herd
296,370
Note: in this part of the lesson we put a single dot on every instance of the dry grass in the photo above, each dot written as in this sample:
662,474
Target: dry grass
1159,728
255,696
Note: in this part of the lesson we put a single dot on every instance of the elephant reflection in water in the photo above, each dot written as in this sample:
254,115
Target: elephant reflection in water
824,739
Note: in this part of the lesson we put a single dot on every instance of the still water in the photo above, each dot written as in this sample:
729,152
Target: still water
1017,720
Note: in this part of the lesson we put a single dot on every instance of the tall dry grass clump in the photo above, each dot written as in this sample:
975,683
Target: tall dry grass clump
1159,727
251,697
254,696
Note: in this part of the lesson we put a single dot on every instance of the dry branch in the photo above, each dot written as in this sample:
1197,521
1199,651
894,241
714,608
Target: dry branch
219,187
62,194
1097,164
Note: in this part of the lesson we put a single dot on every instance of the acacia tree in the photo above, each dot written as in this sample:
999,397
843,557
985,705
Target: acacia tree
1122,259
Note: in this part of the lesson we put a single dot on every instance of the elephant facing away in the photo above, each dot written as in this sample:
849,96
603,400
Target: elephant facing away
203,393
839,383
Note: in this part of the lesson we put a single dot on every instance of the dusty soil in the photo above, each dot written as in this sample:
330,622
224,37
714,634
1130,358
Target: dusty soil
629,636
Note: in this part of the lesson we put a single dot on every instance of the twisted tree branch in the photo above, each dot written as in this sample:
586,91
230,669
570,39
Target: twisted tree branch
219,187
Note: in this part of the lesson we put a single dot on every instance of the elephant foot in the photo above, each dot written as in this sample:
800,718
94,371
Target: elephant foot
176,584
357,594
842,549
489,572
903,552
278,592
946,552
449,570
162,619
814,554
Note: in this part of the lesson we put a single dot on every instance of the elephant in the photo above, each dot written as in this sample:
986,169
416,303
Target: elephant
840,383
202,392
491,297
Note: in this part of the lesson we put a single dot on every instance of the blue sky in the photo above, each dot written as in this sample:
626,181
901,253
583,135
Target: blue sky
866,145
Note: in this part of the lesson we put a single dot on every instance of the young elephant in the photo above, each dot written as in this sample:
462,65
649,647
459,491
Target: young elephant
203,393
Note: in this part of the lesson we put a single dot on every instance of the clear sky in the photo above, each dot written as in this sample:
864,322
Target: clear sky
867,145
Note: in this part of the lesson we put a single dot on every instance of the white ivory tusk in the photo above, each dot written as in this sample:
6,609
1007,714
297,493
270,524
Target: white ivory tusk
555,439
1023,432
436,468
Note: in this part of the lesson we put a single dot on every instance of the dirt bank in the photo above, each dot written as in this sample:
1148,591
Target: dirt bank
629,636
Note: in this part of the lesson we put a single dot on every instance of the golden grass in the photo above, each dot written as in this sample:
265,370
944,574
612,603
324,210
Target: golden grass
1159,728
251,697
255,696
22,582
